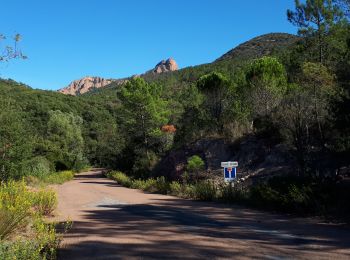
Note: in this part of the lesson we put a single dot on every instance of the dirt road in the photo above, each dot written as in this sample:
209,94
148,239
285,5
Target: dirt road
112,222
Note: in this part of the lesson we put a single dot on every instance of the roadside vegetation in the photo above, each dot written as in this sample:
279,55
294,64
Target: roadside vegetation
25,205
24,234
284,194
52,178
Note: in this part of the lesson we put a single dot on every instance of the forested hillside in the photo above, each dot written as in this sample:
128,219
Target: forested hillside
282,90
44,131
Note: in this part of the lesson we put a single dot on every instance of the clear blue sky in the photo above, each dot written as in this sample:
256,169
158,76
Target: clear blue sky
69,39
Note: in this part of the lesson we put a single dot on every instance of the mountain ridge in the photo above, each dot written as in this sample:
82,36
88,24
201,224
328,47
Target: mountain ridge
89,83
256,47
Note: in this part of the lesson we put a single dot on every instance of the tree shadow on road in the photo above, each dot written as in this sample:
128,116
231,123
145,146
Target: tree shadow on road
186,229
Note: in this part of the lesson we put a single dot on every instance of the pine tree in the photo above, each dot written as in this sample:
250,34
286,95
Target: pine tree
143,113
315,18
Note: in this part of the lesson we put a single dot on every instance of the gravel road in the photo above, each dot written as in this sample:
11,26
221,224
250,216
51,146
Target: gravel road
113,222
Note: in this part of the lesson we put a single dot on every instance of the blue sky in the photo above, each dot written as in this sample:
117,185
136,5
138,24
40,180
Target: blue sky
69,39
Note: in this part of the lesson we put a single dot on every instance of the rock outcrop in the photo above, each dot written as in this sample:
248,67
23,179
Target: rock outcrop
165,66
84,85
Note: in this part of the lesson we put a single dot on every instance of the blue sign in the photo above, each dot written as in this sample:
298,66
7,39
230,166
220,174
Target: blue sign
229,173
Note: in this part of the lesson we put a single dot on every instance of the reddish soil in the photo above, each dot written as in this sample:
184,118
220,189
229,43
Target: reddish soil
113,222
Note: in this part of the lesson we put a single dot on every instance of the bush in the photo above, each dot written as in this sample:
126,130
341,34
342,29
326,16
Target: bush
263,195
10,221
20,249
195,163
229,193
205,190
159,185
21,208
58,177
138,184
162,185
121,178
15,207
149,185
42,245
37,167
189,191
285,193
46,238
176,188
45,201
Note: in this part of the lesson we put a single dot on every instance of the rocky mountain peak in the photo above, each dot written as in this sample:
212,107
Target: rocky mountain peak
165,66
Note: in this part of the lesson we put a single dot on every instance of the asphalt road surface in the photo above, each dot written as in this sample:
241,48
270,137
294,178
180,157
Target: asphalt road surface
113,222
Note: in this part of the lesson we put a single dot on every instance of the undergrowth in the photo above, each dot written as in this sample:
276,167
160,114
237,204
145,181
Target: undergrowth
52,178
292,194
23,232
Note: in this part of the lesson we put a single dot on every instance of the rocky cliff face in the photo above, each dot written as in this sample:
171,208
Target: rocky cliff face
84,85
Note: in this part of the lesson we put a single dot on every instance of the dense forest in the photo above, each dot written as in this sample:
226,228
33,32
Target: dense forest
286,90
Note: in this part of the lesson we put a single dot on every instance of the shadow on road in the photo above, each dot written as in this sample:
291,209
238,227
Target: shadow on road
171,228
92,174
163,231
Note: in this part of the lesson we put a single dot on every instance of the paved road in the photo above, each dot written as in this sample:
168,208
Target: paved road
112,222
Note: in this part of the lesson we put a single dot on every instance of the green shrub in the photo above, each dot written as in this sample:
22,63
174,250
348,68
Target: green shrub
46,238
11,221
195,163
149,185
230,193
162,185
205,190
176,188
159,185
21,209
45,201
286,194
15,207
58,177
20,249
38,167
121,178
263,195
297,198
138,184
189,191
42,245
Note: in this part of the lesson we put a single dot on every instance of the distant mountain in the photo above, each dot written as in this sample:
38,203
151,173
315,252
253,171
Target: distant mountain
260,46
86,84
168,70
268,44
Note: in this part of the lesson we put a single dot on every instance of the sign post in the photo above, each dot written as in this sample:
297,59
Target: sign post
230,171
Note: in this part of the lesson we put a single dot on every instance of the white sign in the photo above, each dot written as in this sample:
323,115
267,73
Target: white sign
229,164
